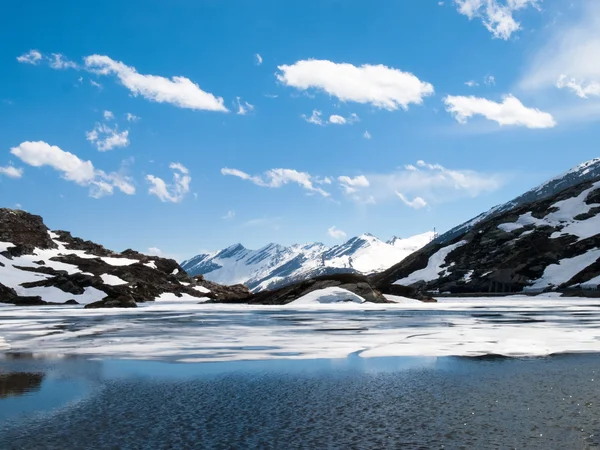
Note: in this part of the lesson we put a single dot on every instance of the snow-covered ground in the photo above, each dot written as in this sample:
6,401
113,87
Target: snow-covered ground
182,330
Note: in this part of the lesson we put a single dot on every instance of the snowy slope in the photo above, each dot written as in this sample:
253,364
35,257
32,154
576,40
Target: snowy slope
545,245
274,265
586,171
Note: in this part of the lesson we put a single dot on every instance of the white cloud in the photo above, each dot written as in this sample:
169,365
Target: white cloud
416,203
380,86
38,154
339,120
58,61
132,118
154,251
472,83
497,16
276,178
178,91
174,192
106,138
31,57
315,118
243,108
230,215
108,115
510,112
95,84
351,185
11,171
580,88
335,233
432,183
367,135
259,59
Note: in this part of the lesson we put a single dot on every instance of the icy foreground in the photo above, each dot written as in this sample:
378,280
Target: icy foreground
176,330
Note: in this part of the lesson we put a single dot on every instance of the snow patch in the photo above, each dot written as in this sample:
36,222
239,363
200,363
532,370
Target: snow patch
118,261
201,289
112,280
328,295
434,266
151,264
557,274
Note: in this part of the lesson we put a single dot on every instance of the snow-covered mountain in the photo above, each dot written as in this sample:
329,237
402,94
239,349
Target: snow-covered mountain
586,171
545,244
274,265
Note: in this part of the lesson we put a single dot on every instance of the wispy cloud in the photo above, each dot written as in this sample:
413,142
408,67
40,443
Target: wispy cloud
178,91
242,107
174,192
31,57
335,233
276,178
106,138
229,216
40,153
11,171
258,59
497,15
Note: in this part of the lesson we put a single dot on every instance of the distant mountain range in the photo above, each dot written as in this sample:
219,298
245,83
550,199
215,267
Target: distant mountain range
274,266
546,239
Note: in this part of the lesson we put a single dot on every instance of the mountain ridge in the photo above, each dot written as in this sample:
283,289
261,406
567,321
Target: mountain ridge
273,266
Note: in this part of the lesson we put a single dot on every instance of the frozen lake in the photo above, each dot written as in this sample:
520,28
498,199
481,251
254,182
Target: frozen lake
191,332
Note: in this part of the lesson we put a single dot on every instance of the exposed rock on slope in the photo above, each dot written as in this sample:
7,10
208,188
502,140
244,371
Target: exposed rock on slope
587,171
38,266
352,283
550,244
275,266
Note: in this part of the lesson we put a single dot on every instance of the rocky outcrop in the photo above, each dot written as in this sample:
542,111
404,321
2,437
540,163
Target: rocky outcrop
237,293
58,262
24,230
357,284
550,244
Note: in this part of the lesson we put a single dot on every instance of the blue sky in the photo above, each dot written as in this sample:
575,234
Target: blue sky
158,126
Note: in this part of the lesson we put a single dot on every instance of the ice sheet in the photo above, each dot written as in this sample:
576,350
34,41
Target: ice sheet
184,330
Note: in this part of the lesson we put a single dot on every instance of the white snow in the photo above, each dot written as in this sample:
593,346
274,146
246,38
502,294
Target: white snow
201,289
434,266
118,261
151,264
468,276
112,280
170,297
5,246
366,254
328,295
564,218
591,284
557,274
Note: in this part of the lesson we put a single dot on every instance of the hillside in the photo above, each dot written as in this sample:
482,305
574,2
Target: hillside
545,245
39,266
275,266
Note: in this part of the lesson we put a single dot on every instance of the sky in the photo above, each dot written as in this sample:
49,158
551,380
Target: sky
181,127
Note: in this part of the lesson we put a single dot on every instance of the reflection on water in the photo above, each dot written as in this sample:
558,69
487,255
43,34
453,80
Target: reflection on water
407,403
19,383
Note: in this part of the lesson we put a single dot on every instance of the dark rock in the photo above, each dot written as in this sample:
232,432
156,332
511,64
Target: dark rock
24,229
40,262
124,301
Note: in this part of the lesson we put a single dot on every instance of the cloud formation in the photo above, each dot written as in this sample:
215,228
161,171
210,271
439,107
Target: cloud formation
351,185
416,203
276,178
510,112
178,91
40,153
174,192
335,233
496,15
258,59
339,120
106,138
31,57
243,107
11,171
377,85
